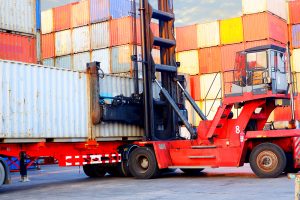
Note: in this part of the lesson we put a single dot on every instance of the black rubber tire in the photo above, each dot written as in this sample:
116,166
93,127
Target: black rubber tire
2,174
267,160
94,171
290,164
143,164
192,171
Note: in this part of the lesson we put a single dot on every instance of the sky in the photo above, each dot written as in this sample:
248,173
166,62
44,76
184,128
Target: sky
186,11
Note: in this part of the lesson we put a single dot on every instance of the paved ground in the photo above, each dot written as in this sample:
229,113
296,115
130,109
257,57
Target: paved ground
53,182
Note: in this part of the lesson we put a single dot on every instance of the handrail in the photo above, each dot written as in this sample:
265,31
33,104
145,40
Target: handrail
211,85
212,104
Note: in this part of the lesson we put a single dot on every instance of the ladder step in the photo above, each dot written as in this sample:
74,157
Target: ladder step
167,43
165,68
202,157
161,15
204,147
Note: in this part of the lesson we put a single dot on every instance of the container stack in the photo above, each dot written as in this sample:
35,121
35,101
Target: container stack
207,50
284,114
91,30
20,30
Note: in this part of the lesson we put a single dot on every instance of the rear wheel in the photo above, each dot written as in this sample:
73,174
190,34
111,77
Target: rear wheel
192,171
94,171
143,164
2,174
267,160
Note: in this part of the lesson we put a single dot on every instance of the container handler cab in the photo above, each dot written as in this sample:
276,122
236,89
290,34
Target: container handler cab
260,82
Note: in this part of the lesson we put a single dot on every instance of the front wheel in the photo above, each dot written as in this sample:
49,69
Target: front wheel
142,163
94,171
2,174
267,160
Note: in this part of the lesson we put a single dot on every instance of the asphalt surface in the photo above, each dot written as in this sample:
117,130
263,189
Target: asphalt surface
52,182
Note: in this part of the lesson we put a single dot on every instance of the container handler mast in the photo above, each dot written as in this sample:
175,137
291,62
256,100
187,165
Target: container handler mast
260,82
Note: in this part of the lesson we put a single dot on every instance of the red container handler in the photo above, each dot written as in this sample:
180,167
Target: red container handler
18,48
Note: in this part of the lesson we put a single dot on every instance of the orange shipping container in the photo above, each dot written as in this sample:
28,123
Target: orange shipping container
249,45
264,26
186,38
48,46
195,87
62,17
80,14
18,48
294,8
228,53
210,60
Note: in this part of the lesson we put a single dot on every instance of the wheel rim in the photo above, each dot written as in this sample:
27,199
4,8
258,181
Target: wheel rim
267,161
142,163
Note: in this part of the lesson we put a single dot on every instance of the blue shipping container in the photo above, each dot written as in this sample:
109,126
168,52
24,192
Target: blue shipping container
296,36
102,10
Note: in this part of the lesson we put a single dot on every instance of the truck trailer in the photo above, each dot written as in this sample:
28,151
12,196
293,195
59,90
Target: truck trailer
139,127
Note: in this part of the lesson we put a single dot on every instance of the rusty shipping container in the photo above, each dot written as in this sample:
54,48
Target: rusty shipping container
80,13
62,17
18,48
209,60
186,38
264,26
48,45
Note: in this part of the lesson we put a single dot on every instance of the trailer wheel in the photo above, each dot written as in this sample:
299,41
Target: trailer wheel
94,171
2,174
192,171
142,163
267,160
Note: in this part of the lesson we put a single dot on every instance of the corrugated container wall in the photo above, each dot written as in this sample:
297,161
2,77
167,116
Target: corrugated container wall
296,36
102,56
195,87
81,39
48,45
18,48
210,60
296,61
50,114
62,17
121,31
277,7
49,62
100,35
210,108
99,10
210,85
63,43
264,26
231,31
19,16
80,60
294,8
257,43
80,14
119,9
121,59
186,38
208,34
64,62
189,62
228,53
47,21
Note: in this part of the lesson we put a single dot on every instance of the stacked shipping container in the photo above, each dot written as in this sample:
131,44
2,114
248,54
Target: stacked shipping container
263,22
103,31
19,30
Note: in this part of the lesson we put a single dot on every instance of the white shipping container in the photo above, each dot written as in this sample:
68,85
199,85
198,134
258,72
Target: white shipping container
63,43
81,39
47,21
37,103
211,86
210,108
80,60
100,36
121,59
102,56
189,62
296,60
18,15
277,7
49,62
208,34
64,62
